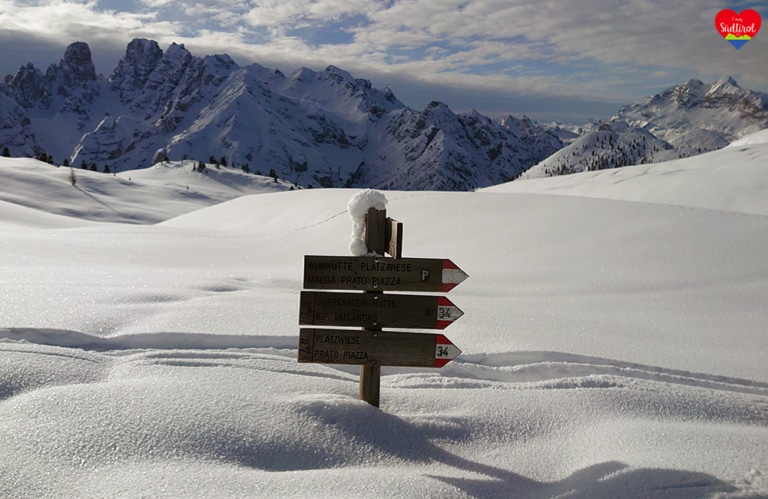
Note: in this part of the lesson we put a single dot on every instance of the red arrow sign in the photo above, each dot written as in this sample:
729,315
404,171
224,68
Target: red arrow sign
319,308
452,275
380,348
447,312
445,351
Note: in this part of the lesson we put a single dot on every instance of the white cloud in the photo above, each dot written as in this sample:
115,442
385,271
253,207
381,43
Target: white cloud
615,49
276,12
156,3
66,20
334,10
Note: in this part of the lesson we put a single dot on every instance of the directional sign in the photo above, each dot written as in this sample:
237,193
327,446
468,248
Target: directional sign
381,348
381,274
376,310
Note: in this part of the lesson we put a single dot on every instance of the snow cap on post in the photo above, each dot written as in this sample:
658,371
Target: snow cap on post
358,208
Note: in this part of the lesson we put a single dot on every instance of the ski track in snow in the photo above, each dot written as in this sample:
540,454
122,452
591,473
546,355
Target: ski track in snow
67,368
520,370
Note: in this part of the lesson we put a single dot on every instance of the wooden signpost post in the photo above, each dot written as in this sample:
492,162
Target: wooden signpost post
371,347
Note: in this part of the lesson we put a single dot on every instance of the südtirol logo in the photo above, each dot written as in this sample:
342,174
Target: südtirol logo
739,28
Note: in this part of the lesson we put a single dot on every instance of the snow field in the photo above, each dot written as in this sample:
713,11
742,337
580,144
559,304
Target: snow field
611,348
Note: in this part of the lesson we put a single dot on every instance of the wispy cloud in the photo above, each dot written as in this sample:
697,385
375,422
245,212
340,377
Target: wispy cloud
593,50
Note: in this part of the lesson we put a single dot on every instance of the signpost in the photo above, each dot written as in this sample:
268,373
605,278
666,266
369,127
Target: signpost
371,347
381,348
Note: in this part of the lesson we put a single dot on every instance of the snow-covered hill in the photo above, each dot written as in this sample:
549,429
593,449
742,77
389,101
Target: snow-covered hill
611,348
174,188
324,128
612,145
731,179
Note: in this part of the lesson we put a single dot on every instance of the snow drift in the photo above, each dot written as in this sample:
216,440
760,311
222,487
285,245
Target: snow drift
611,348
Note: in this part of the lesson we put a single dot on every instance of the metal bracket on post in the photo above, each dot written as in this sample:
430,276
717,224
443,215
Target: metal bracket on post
394,238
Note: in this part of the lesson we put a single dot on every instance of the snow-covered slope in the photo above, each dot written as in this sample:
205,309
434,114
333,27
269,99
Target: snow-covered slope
732,179
760,137
139,196
610,146
610,348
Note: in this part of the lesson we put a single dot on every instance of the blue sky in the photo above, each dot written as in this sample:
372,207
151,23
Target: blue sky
550,59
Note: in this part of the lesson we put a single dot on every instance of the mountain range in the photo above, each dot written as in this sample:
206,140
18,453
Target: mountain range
329,129
323,128
681,121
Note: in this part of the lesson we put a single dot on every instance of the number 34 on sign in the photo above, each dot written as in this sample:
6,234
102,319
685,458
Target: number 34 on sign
445,351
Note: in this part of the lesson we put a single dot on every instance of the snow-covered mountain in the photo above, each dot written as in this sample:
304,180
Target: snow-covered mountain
682,121
695,117
612,145
312,128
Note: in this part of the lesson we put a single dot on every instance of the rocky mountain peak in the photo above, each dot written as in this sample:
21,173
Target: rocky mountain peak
28,87
69,84
725,86
689,93
303,74
338,74
77,62
133,70
177,52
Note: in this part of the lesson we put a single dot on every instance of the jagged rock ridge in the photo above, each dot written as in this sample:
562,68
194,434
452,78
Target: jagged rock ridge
322,128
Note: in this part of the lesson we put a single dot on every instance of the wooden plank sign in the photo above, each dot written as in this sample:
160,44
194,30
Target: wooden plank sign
380,348
371,273
378,310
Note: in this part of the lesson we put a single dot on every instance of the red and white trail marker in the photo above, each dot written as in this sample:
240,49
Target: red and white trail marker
445,351
452,275
447,312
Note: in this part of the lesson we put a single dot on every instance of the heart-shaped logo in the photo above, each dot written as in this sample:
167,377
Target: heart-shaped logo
739,28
